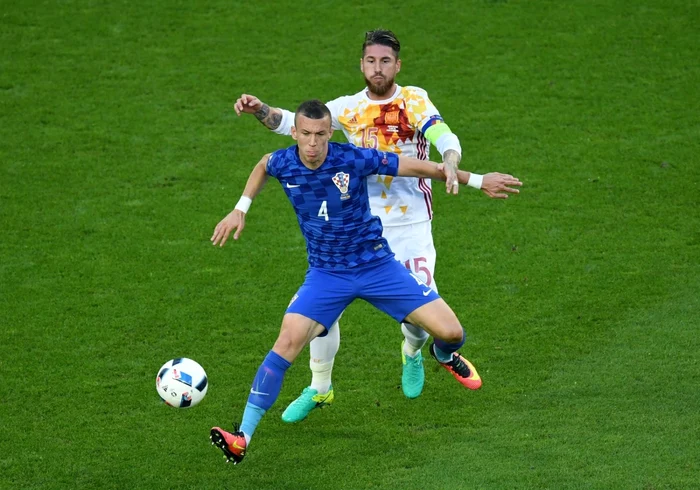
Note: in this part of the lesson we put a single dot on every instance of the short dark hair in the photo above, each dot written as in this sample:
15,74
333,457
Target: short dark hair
313,109
383,38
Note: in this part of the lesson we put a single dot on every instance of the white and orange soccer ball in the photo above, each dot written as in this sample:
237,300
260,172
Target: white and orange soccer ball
182,382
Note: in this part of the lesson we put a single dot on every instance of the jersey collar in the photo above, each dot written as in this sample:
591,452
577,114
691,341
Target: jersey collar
385,101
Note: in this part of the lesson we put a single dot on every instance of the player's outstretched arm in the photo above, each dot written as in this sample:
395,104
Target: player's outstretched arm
495,185
413,167
270,117
235,220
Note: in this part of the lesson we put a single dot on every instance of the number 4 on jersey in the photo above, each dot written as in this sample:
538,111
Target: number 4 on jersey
323,210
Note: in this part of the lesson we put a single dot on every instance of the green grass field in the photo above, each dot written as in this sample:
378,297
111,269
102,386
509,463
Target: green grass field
120,151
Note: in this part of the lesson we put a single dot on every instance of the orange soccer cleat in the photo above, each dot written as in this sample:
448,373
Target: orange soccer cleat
461,369
231,443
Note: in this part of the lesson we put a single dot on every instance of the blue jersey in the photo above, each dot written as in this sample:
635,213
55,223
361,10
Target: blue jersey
332,205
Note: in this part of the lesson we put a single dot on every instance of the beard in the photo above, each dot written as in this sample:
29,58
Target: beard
380,88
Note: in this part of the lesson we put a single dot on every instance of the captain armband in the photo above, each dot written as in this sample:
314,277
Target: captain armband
442,137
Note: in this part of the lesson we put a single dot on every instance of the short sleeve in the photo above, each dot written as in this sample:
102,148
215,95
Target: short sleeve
371,161
421,112
272,167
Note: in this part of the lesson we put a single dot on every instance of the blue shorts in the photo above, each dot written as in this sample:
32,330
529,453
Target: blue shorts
386,284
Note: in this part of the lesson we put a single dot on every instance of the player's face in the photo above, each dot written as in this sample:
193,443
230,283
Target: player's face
312,137
380,66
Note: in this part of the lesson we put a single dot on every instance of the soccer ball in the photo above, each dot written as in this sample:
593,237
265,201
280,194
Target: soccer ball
182,383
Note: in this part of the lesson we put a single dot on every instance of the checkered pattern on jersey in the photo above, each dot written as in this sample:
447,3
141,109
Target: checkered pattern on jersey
332,205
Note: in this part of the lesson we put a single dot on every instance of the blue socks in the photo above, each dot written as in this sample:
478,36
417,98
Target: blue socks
264,392
443,350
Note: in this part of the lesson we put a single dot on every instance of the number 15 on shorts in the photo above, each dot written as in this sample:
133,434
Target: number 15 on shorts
416,267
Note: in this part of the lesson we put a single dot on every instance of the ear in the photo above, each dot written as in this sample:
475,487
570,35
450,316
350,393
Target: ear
398,66
294,133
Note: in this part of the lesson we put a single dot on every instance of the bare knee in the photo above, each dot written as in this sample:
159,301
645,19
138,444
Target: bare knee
454,333
289,342
438,319
286,344
296,332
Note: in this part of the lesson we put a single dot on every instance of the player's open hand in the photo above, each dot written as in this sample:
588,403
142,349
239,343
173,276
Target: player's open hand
248,104
235,221
498,186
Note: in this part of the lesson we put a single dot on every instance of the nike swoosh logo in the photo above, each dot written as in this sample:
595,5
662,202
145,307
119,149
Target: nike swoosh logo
426,293
254,392
292,186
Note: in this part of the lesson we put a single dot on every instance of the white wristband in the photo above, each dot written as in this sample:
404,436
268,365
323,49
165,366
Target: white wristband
244,204
475,180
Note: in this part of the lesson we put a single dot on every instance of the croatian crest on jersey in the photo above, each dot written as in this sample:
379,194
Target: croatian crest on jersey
342,181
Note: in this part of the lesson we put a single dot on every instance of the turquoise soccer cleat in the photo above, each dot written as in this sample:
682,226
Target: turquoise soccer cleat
307,401
413,375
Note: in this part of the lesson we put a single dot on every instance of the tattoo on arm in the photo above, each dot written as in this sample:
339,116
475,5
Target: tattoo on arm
270,118
451,157
263,112
274,121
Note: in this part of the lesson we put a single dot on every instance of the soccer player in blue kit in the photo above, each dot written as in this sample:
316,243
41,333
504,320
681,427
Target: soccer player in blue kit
348,257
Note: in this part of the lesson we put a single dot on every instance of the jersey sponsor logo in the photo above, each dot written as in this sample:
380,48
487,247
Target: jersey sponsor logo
292,186
256,392
426,293
342,181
